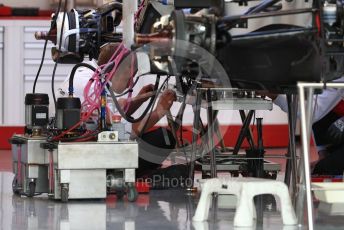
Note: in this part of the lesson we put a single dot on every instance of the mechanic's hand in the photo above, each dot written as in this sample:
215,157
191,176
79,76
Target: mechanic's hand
165,102
145,93
146,89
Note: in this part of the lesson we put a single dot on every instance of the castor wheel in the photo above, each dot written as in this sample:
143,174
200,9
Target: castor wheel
132,193
205,175
64,195
32,188
15,186
120,192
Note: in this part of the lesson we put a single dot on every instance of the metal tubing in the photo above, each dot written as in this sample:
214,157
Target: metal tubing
294,157
19,166
51,172
305,146
310,107
218,131
291,168
249,134
243,131
195,131
210,114
230,19
260,170
129,9
288,167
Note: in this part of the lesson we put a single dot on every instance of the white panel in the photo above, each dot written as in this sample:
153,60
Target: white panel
31,67
13,82
33,29
13,67
44,78
32,54
35,50
42,4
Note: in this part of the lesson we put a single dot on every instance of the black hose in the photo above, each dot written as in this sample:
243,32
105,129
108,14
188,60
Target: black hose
142,131
129,90
58,56
70,139
261,7
53,24
109,7
121,111
71,77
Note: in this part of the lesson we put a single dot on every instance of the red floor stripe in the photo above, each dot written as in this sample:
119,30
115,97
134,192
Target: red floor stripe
273,135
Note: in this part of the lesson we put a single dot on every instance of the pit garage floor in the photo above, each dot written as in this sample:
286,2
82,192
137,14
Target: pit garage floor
160,209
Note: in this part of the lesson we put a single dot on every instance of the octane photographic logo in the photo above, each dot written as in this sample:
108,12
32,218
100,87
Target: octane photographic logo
196,68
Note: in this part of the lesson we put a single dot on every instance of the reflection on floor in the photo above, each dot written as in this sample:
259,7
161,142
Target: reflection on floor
160,209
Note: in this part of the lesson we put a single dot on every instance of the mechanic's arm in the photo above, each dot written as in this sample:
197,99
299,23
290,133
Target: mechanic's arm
145,93
164,105
141,65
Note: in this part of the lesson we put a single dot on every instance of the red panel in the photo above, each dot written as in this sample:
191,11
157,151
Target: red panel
6,132
5,11
274,135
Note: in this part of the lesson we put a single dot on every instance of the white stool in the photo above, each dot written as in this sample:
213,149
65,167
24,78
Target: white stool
245,189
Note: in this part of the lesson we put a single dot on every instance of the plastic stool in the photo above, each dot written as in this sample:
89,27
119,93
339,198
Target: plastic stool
245,189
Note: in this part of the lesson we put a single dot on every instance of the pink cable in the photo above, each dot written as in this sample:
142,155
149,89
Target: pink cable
92,98
139,10
131,84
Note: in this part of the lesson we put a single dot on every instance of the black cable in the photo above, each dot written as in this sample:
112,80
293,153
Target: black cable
129,90
58,56
69,139
71,77
121,111
45,46
261,6
181,135
151,110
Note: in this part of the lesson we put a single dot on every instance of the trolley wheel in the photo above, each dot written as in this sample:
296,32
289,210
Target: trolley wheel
205,175
132,193
64,195
271,175
120,193
274,175
15,186
234,173
32,188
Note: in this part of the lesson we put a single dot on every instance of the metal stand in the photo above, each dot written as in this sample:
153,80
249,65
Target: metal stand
195,131
212,107
306,110
210,113
291,166
245,131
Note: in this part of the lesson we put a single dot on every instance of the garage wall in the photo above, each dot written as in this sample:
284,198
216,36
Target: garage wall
43,4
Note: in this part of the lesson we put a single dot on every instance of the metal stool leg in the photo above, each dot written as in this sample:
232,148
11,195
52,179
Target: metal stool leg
291,168
249,134
212,152
243,133
195,131
306,123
